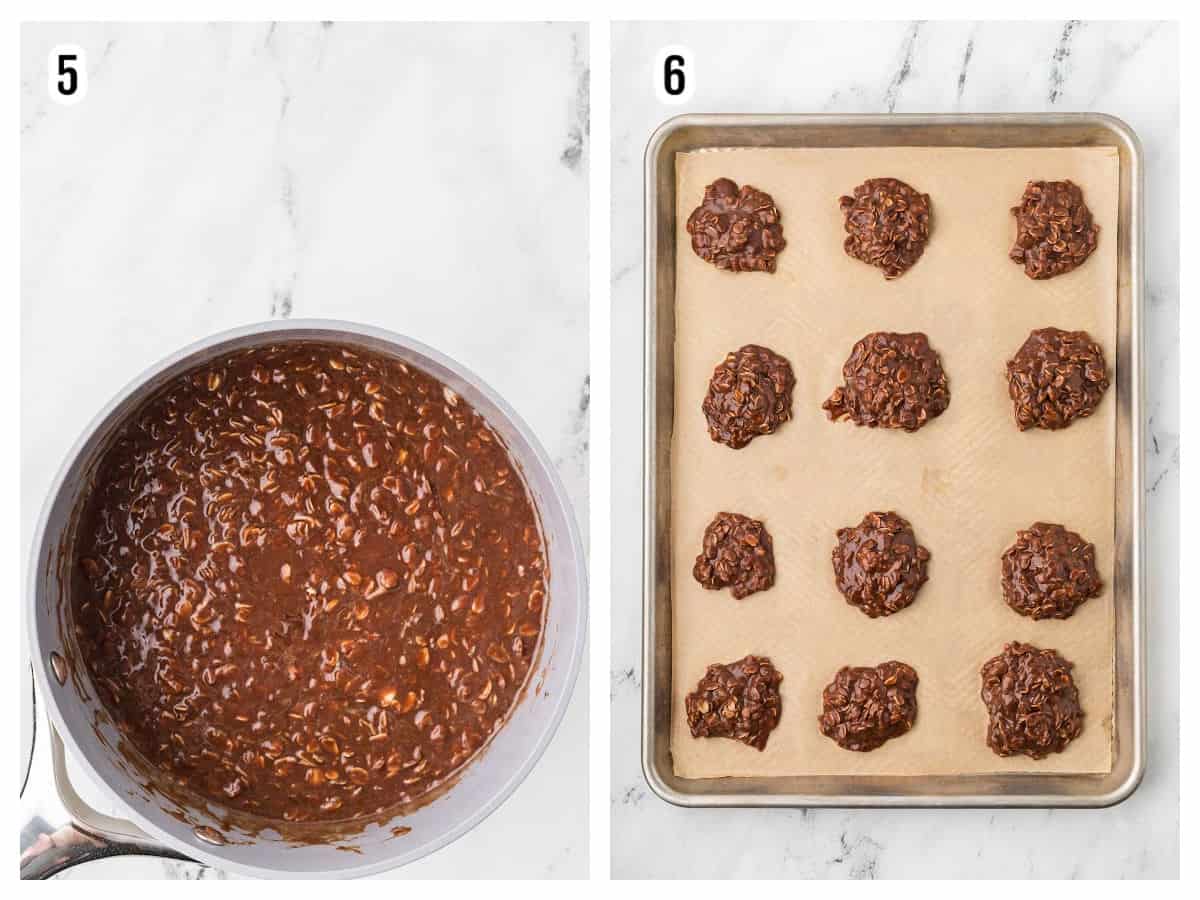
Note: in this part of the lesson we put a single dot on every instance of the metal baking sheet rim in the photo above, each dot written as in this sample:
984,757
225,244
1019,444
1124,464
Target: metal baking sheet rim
994,790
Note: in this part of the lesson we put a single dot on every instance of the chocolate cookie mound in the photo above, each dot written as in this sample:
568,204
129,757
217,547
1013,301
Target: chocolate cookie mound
1032,701
737,554
750,393
1056,377
866,706
879,565
1049,572
887,225
892,381
739,700
736,229
1055,231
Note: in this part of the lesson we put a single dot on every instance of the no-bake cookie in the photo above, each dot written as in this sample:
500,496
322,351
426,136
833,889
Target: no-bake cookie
737,554
891,381
1055,231
878,564
738,700
1055,378
1049,572
887,224
736,229
866,706
1032,702
750,394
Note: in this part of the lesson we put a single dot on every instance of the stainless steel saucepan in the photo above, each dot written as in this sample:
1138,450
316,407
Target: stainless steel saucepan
154,821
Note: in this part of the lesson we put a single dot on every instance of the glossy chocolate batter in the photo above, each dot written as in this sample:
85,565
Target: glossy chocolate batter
314,582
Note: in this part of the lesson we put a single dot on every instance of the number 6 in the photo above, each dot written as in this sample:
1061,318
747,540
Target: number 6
674,74
673,78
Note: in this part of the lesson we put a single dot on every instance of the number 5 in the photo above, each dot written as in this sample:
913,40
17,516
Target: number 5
67,73
69,84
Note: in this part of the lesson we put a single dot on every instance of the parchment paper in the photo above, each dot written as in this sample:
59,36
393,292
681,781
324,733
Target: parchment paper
967,481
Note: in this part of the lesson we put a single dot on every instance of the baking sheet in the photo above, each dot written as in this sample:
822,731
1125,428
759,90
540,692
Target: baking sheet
966,482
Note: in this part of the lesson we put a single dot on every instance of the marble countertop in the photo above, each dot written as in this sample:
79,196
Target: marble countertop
217,175
1127,69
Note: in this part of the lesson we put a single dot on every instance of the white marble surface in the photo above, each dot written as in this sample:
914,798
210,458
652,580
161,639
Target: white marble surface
429,179
1130,70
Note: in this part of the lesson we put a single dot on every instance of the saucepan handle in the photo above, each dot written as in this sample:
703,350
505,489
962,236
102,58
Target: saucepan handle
91,835
54,853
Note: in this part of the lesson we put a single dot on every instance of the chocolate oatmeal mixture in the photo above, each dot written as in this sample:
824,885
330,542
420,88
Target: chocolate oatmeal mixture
1056,377
878,564
737,554
736,229
315,582
866,706
1055,231
749,394
1032,702
739,700
891,381
1049,572
887,225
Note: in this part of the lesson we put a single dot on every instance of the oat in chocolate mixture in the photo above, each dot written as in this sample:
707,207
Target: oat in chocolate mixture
864,707
1049,572
1055,232
739,700
1056,377
887,225
1032,702
878,564
750,393
736,229
313,582
737,554
891,381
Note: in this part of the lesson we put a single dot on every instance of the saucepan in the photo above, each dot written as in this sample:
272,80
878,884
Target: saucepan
204,833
